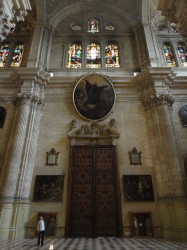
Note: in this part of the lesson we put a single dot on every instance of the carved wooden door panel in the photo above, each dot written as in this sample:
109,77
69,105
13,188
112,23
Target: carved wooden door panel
94,208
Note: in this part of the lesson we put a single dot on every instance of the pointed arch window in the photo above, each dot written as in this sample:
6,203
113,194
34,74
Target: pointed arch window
2,116
112,56
93,56
3,54
182,52
75,56
93,26
17,55
169,55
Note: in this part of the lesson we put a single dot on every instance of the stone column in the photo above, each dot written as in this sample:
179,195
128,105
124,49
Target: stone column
14,154
19,162
102,51
169,179
84,52
27,166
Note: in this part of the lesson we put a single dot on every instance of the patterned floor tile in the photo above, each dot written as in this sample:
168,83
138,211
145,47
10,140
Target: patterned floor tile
110,243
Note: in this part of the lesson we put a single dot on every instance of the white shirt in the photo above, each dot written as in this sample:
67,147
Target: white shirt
41,225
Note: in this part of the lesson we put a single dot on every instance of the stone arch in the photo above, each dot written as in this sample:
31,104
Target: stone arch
73,9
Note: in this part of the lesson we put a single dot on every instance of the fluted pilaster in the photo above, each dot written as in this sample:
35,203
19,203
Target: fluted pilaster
20,157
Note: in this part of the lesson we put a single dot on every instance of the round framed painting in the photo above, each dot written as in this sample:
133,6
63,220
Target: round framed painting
94,97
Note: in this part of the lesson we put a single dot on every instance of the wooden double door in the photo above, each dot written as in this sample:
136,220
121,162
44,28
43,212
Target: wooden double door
94,200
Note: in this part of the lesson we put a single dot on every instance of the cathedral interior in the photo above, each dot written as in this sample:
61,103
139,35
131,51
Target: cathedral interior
112,160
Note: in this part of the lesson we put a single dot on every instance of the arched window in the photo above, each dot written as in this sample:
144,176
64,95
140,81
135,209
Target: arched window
169,55
182,52
75,56
17,55
2,116
111,56
93,26
3,54
93,56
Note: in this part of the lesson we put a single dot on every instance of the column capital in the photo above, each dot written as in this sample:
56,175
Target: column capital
154,84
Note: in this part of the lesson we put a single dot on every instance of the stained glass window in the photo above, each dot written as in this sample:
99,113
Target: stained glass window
3,54
111,56
75,56
169,55
182,52
93,56
17,55
93,26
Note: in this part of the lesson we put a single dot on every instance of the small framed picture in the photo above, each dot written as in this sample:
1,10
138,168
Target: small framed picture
135,157
52,157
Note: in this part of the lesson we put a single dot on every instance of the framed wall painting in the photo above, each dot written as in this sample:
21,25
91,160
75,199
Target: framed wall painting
138,188
94,97
48,188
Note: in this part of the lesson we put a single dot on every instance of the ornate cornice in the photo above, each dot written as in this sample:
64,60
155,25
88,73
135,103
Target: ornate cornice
10,13
5,23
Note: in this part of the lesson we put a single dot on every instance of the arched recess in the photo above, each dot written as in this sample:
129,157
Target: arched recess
73,9
2,116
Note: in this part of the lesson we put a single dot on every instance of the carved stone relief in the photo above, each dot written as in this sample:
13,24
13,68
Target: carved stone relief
94,133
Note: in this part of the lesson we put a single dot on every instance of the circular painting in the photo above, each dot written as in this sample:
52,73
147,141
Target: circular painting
94,97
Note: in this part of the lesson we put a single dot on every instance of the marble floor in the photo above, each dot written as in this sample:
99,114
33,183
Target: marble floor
94,244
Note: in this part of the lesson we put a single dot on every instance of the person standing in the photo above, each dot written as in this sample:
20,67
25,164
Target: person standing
41,230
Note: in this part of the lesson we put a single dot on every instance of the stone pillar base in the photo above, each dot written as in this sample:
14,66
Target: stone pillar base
13,219
174,219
